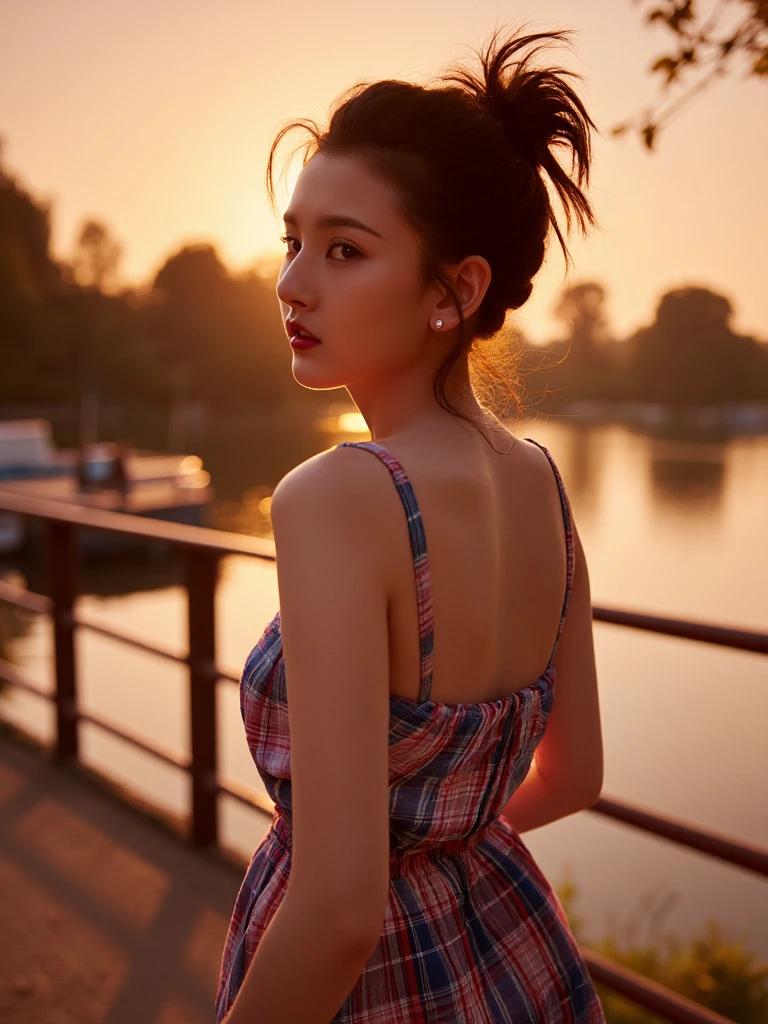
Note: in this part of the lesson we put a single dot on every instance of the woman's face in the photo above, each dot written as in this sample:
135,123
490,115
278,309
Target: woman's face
356,290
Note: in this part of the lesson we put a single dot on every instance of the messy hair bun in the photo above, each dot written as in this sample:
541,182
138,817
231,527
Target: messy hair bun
536,109
465,159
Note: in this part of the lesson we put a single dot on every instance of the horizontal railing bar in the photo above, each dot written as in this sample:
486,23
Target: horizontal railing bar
648,993
131,641
179,534
744,855
143,645
28,599
10,674
170,757
246,795
688,629
42,604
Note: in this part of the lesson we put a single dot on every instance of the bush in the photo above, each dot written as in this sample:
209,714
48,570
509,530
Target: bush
711,967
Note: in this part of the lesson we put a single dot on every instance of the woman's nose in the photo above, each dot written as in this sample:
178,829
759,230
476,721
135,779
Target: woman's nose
292,286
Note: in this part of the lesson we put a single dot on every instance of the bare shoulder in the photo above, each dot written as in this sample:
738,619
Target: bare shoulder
534,454
336,476
341,491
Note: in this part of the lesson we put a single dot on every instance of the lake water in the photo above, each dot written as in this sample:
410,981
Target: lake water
669,527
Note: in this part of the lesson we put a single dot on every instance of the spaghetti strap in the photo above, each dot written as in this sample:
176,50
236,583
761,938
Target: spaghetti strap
420,558
568,545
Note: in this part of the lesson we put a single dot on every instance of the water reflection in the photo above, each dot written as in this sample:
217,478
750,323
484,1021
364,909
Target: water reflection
684,476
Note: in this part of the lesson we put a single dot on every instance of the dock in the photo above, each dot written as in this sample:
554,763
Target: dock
101,476
151,498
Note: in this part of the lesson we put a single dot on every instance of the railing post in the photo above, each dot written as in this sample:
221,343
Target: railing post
202,568
61,569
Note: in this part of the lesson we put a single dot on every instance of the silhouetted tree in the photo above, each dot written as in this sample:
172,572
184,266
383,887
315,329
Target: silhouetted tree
580,365
690,354
33,344
26,266
96,257
582,308
195,332
225,332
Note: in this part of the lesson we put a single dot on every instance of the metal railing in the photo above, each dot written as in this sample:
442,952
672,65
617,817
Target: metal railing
201,549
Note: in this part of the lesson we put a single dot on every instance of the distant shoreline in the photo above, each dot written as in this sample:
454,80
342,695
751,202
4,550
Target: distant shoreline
731,418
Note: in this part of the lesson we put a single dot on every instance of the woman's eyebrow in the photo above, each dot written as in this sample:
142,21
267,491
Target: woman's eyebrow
334,221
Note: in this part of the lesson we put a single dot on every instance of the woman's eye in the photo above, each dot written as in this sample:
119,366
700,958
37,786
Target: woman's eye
345,245
287,239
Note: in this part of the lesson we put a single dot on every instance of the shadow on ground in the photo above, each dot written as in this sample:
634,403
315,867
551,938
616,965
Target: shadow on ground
104,919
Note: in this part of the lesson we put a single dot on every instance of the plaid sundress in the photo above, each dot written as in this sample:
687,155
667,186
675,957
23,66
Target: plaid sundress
473,932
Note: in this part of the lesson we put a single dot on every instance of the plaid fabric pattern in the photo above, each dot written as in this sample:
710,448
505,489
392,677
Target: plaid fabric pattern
473,932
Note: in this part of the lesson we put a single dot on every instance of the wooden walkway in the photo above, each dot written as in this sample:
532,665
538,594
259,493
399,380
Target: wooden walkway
104,918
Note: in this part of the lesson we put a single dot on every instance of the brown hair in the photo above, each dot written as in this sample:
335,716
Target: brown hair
465,161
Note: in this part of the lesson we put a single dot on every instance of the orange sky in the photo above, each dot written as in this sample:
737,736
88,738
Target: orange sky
156,117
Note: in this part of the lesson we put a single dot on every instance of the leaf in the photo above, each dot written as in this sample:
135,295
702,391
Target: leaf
760,67
668,65
619,129
682,14
649,133
656,15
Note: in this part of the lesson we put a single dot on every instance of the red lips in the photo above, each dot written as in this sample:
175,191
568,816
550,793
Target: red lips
294,328
300,342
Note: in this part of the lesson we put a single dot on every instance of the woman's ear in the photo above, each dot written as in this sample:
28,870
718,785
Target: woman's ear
470,280
472,283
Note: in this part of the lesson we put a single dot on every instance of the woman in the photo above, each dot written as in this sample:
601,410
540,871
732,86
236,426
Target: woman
390,888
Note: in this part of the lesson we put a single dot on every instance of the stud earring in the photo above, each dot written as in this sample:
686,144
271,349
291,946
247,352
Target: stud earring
438,323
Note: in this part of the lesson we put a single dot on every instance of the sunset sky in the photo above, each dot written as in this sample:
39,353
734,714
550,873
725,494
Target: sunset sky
156,117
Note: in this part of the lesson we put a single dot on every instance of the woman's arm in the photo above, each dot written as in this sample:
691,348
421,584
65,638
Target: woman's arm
535,803
331,573
303,970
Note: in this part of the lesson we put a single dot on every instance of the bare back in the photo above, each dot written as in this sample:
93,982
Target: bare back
495,536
